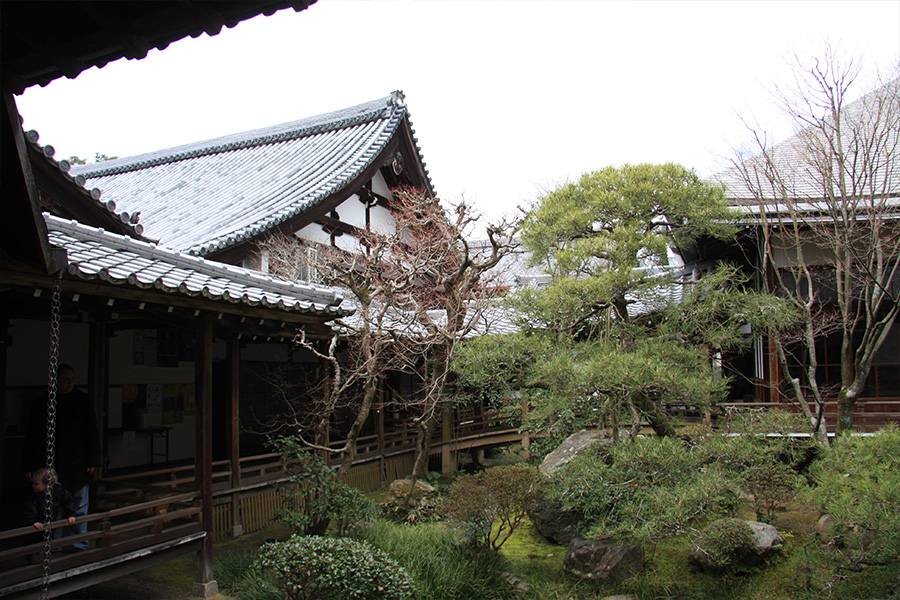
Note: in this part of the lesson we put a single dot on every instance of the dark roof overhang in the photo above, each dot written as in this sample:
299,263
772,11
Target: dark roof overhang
43,41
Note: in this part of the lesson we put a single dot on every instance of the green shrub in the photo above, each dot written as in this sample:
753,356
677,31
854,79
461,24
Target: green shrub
500,494
772,485
645,488
442,568
313,498
725,541
858,483
318,568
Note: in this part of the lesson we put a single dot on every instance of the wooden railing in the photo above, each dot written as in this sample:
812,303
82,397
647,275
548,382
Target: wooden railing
116,535
160,506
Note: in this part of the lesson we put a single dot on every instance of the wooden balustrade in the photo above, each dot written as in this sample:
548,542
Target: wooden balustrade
160,508
114,534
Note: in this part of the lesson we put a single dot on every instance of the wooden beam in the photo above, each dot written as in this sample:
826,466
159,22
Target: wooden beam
206,584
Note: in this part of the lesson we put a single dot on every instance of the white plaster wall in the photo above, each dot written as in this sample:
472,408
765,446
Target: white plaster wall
381,220
313,233
353,212
379,186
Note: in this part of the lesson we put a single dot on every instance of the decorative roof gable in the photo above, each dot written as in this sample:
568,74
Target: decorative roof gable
206,196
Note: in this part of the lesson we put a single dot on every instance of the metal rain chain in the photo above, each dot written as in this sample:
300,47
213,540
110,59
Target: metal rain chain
51,434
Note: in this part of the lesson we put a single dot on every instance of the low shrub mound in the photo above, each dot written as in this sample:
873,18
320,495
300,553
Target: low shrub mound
723,544
319,568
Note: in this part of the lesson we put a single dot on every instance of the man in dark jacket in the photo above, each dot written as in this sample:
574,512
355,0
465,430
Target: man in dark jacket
77,447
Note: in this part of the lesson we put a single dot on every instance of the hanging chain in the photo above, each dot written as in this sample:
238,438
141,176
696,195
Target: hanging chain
51,434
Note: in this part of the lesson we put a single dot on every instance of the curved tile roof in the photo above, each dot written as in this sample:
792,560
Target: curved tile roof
123,220
873,119
97,254
205,196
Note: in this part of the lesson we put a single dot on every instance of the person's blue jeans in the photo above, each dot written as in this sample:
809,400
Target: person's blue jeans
81,502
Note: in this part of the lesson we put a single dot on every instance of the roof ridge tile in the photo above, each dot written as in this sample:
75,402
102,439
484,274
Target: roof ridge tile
340,119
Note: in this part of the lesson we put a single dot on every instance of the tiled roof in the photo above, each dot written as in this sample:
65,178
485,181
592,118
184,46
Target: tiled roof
794,158
205,196
124,221
97,254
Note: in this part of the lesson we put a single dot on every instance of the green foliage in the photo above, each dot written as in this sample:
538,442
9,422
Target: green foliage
858,483
772,485
499,494
582,358
442,568
317,568
718,305
313,497
725,541
618,214
645,489
419,507
238,578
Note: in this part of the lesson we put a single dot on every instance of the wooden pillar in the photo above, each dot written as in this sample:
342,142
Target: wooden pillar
98,381
233,447
526,440
4,343
206,584
448,465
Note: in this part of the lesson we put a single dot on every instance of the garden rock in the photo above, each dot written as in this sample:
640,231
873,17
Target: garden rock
557,525
573,445
516,583
399,488
603,560
766,541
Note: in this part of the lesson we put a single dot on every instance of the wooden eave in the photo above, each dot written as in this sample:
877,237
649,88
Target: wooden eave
23,233
43,41
237,317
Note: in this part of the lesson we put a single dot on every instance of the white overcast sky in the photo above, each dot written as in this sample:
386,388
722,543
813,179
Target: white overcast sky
508,98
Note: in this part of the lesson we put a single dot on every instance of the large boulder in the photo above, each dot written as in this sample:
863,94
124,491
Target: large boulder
720,545
573,445
602,560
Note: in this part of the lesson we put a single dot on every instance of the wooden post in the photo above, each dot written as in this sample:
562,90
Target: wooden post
4,342
526,440
98,382
206,584
233,440
447,462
